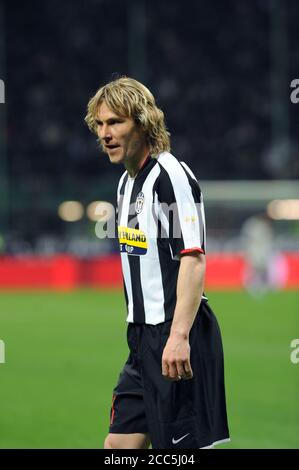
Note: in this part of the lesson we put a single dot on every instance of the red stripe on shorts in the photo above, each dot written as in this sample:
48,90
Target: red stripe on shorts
112,410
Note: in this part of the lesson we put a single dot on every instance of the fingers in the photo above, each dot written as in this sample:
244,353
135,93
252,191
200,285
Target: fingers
180,369
164,369
177,370
185,370
188,371
169,371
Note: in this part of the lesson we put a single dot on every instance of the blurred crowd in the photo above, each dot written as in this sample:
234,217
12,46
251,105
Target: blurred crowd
208,63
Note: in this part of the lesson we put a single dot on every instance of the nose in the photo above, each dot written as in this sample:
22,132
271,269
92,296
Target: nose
107,138
104,133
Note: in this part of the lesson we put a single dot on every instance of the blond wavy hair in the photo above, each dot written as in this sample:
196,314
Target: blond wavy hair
129,98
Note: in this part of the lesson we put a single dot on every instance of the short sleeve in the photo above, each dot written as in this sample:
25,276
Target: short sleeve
181,208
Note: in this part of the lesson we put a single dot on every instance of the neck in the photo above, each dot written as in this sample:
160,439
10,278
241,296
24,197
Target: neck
134,166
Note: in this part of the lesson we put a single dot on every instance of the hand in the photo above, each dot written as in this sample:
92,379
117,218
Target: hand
176,358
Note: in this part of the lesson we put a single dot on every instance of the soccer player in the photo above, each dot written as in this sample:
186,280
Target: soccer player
170,392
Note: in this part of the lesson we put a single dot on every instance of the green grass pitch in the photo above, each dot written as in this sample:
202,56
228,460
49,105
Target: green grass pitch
64,352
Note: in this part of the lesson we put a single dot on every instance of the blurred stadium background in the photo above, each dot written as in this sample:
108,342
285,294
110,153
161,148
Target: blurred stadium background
221,71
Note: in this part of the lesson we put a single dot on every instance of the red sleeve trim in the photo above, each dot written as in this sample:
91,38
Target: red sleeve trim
189,250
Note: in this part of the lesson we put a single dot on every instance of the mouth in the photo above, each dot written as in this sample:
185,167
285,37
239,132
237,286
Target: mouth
111,147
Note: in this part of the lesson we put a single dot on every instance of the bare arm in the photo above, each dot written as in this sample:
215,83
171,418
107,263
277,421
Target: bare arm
176,354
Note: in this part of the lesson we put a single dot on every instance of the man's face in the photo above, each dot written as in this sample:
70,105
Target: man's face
120,136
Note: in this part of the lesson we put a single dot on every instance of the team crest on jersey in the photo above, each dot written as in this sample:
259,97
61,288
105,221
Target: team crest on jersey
139,202
132,241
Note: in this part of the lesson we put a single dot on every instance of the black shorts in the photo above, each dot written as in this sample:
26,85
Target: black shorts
187,414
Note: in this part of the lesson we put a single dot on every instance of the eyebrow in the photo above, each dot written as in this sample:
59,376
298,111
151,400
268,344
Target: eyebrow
114,118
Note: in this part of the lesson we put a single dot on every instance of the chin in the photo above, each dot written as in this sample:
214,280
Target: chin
115,159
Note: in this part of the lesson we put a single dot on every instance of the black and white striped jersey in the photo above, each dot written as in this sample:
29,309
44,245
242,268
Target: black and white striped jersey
160,216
